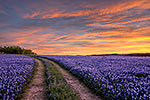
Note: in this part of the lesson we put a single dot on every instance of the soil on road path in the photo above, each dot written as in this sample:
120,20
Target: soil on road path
37,87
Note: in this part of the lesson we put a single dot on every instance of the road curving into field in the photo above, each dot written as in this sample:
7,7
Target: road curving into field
84,92
36,89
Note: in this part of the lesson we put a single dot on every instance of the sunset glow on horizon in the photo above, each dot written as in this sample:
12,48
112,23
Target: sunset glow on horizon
76,27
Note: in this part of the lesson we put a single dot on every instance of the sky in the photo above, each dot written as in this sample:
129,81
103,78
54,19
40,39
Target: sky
76,27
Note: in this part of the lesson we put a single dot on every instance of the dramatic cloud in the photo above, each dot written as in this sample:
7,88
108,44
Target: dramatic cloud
76,26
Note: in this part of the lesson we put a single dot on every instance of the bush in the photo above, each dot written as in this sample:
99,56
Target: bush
15,50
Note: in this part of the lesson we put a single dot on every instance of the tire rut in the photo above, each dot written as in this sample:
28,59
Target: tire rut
37,87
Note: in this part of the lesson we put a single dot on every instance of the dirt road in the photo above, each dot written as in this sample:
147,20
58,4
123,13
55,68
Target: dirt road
37,88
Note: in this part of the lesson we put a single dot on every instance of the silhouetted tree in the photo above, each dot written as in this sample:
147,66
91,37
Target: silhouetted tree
15,50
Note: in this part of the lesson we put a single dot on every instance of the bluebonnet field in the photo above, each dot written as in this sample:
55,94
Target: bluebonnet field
113,77
15,71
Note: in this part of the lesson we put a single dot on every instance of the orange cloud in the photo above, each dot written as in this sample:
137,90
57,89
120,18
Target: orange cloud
46,15
34,14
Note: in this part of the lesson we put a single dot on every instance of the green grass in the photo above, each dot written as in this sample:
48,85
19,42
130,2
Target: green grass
58,86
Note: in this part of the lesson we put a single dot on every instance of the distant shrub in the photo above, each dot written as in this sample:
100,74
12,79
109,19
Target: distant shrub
15,50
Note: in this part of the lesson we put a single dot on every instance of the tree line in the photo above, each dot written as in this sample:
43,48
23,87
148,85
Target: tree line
15,50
